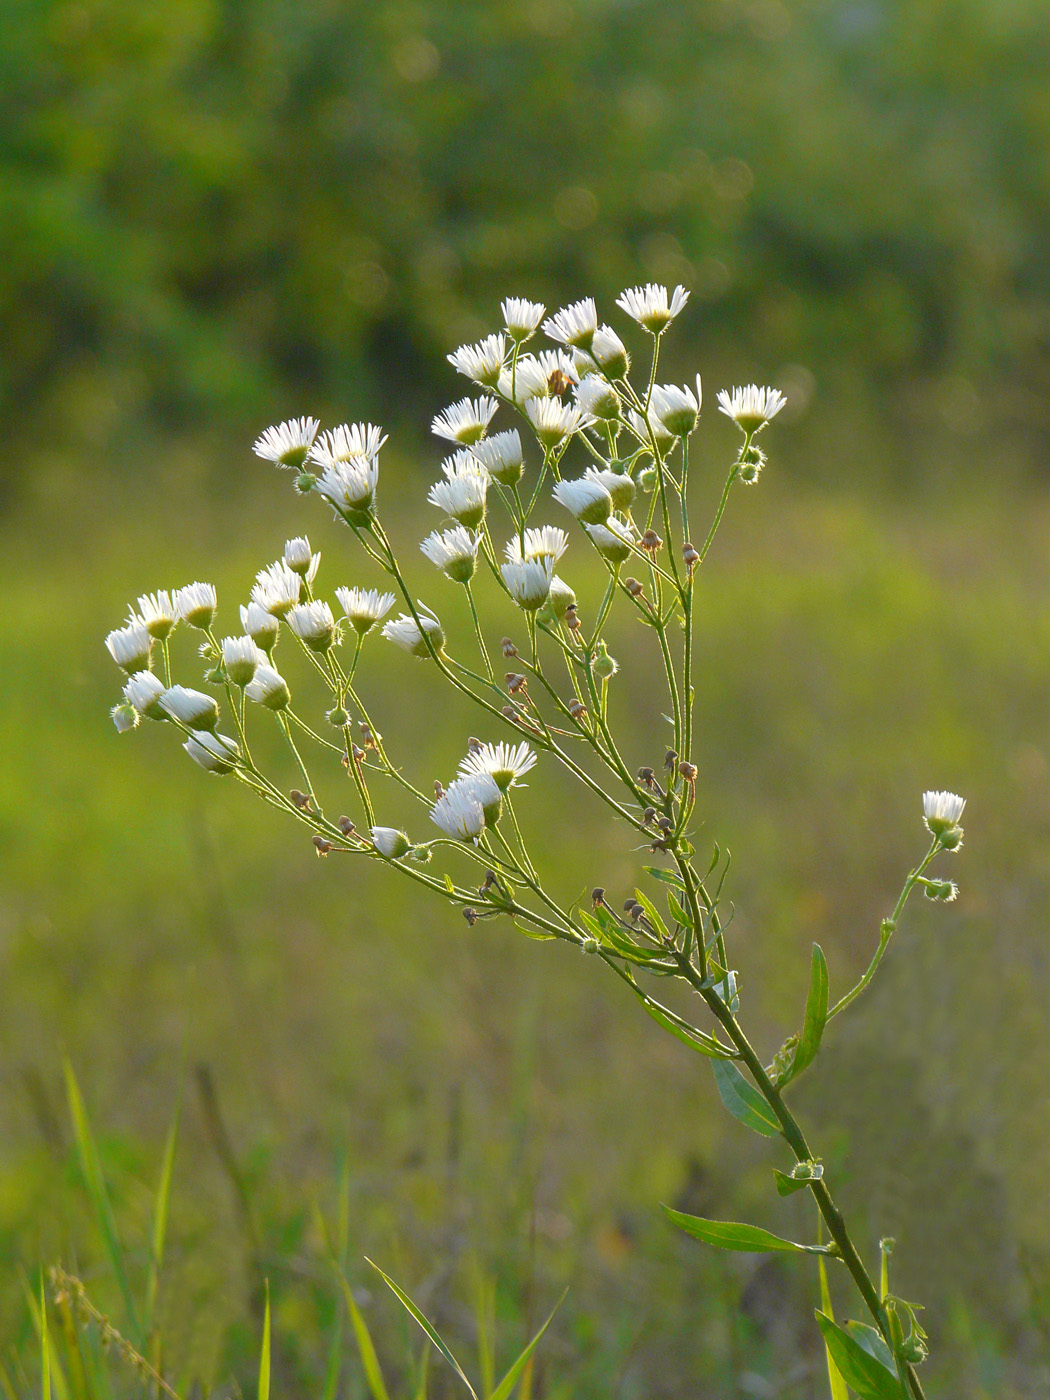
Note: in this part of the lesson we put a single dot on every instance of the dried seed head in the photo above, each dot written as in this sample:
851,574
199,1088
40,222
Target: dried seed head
629,906
634,588
474,745
670,759
509,649
439,791
516,684
358,754
689,554
346,826
651,541
301,799
577,709
688,771
646,775
597,896
323,846
649,815
471,916
665,823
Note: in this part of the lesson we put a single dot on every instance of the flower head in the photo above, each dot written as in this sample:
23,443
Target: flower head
299,559
750,407
261,625
267,687
500,455
941,812
612,540
587,499
656,430
143,691
124,716
481,362
190,707
606,352
216,753
347,441
196,604
404,631
462,494
314,625
521,317
620,485
676,409
649,305
553,421
363,607
465,422
503,763
349,485
130,647
276,589
241,658
157,613
575,324
596,398
455,551
529,581
288,444
543,542
390,842
460,812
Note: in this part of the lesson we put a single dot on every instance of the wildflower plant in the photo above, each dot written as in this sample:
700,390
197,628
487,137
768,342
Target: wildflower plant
565,430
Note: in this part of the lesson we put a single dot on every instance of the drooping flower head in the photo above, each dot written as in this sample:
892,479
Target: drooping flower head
261,625
241,658
596,398
216,753
143,691
405,632
287,444
192,708
676,409
620,485
314,625
587,499
528,581
501,457
460,812
612,540
390,842
268,687
130,647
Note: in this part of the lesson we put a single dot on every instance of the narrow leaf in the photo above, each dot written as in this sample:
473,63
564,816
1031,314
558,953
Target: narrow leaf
727,1234
264,1356
369,1359
696,1040
743,1100
160,1220
659,927
677,911
838,1387
427,1327
45,1351
873,1342
816,1014
788,1185
868,1377
666,877
507,1384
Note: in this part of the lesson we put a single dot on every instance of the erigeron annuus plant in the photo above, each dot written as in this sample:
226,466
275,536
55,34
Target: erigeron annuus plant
626,498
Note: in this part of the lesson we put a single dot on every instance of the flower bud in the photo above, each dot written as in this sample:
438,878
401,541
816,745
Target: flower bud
390,842
603,667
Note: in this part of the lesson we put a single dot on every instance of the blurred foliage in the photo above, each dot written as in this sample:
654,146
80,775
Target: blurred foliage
214,207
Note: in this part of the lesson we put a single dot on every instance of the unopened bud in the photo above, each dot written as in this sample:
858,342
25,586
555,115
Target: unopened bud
339,718
305,481
589,945
647,478
323,846
604,667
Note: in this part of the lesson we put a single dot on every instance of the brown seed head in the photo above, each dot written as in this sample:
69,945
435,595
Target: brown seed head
651,541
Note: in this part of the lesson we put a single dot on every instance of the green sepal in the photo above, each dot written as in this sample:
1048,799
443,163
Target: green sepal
868,1376
728,1234
744,1101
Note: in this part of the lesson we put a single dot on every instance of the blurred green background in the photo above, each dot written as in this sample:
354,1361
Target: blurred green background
216,215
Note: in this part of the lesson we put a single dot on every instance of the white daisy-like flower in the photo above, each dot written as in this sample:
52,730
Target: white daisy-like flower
157,613
261,625
575,324
190,707
298,557
459,812
346,442
364,607
606,352
465,422
750,407
537,376
481,362
529,581
124,716
130,647
676,409
276,589
143,691
542,542
350,487
521,317
649,305
462,493
406,634
655,432
217,753
501,457
455,551
942,810
560,597
314,625
612,540
597,398
196,604
553,421
288,444
268,687
241,658
620,485
588,500
390,842
503,763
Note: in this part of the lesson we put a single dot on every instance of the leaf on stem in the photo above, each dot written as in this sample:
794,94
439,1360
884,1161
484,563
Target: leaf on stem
507,1384
728,1234
744,1101
426,1325
802,1173
816,1016
868,1377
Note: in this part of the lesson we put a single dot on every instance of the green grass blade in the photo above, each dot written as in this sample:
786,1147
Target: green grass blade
365,1345
335,1358
91,1166
507,1384
835,1381
427,1327
264,1356
45,1352
424,1372
160,1219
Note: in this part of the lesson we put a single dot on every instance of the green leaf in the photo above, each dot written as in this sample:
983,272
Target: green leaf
449,885
688,1035
369,1359
787,1184
510,1380
666,877
727,1234
659,927
816,1015
837,1385
610,935
868,1377
743,1100
264,1355
873,1342
427,1326
677,910
45,1351
160,1219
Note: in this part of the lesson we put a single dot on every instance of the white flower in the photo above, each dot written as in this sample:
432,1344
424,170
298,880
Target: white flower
143,691
190,707
196,604
537,376
460,812
455,551
596,397
347,441
261,625
390,842
553,421
363,607
217,753
606,352
942,811
350,487
298,558
529,581
157,613
241,657
544,542
676,409
269,688
503,763
561,597
404,631
750,407
612,540
521,317
462,494
124,716
575,324
276,589
481,362
130,647
500,455
587,499
287,444
620,486
314,624
659,434
466,421
649,307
